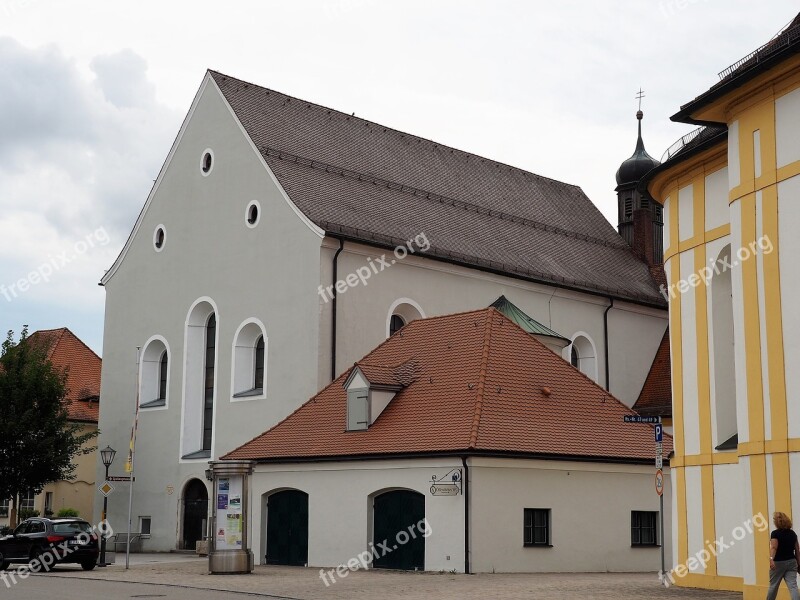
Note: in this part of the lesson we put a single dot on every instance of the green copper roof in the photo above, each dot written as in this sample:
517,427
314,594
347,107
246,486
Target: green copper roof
513,312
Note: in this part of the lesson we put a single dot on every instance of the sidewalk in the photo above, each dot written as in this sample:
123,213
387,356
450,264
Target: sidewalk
305,584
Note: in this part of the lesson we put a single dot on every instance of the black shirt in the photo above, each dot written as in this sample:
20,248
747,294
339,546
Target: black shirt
787,539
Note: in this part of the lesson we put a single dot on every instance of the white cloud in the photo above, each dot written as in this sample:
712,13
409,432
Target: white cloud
79,155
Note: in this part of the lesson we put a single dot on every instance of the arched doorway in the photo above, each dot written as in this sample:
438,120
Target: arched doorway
195,513
396,512
287,528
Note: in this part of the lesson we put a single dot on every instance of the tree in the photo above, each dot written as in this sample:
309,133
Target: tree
37,441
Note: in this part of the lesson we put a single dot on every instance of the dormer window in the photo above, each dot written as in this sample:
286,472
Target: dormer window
370,389
357,409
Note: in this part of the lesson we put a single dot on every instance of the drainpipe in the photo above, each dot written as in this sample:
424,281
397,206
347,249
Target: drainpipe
333,308
465,485
605,339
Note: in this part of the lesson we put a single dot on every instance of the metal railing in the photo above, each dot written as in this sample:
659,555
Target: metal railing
678,146
776,44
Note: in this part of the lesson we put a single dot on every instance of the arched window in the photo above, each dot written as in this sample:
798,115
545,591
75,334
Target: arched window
258,380
402,312
724,364
208,405
154,374
162,376
396,324
250,355
199,370
582,355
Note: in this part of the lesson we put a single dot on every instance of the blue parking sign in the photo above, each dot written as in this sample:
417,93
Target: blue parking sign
659,430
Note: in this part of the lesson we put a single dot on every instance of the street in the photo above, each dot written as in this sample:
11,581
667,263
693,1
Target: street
180,577
45,587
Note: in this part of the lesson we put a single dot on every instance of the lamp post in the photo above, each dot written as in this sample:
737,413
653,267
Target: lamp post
107,456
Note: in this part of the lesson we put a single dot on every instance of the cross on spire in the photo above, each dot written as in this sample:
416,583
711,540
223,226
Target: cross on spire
639,96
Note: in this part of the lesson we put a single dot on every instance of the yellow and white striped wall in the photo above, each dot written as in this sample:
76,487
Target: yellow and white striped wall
732,195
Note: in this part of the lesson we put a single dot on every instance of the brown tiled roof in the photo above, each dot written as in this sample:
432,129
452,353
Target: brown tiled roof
480,389
655,398
363,181
66,351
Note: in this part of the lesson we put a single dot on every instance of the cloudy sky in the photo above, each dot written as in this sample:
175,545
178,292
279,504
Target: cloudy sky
92,94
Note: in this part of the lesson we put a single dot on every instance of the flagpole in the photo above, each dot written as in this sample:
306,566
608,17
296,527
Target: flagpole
130,463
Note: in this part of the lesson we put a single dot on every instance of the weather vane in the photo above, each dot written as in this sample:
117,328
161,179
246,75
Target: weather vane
639,96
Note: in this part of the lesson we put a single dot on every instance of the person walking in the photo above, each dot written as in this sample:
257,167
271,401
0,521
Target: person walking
784,557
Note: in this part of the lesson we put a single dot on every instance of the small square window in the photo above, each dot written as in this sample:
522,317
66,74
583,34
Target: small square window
144,525
536,527
644,528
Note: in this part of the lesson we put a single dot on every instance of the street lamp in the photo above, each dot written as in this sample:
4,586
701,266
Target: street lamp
107,456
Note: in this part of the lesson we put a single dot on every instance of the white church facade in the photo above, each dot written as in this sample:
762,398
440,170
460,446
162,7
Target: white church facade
282,241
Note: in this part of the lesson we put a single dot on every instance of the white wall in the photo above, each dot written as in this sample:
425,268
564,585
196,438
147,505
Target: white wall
438,288
209,251
590,504
339,513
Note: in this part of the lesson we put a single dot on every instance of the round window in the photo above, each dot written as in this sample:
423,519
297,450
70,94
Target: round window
253,214
207,161
159,237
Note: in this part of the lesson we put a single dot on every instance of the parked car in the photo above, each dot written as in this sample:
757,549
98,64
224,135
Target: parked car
67,540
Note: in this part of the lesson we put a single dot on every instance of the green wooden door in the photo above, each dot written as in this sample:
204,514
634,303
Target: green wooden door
287,528
397,515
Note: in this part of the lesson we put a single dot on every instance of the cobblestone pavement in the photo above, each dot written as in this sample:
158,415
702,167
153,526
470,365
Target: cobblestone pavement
305,584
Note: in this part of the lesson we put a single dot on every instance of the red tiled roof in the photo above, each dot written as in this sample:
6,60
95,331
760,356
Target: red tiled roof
478,387
67,351
655,398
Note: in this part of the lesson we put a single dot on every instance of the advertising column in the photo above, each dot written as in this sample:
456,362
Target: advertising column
230,551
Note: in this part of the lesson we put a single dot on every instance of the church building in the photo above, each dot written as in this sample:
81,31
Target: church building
283,241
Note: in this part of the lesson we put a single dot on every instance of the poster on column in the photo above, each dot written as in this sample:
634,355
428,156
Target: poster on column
229,514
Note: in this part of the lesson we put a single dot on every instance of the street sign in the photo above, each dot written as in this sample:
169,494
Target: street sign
659,448
120,478
659,431
106,488
659,462
444,489
640,419
659,482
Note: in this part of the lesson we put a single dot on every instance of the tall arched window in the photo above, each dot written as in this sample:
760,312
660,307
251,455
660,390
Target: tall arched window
724,365
199,393
574,359
258,380
163,369
154,373
250,356
208,405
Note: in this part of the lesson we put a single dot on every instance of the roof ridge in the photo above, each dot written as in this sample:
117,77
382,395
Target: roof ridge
433,196
386,127
58,334
487,340
84,344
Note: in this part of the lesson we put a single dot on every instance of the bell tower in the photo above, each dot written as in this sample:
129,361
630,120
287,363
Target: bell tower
640,218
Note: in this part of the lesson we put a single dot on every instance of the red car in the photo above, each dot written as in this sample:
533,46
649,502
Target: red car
51,541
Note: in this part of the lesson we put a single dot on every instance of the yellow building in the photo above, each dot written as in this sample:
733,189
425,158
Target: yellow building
67,352
731,197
